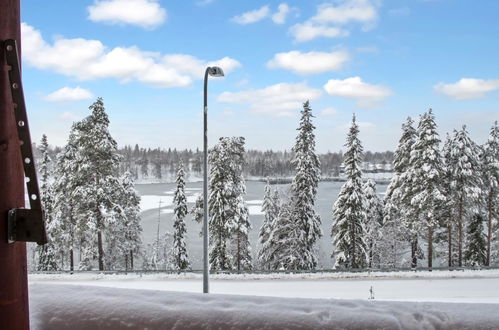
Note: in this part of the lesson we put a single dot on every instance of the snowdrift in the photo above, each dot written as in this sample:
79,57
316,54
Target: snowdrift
56,306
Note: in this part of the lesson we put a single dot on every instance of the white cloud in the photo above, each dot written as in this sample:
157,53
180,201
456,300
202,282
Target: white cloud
143,13
367,96
282,12
309,63
467,88
309,31
331,17
90,59
69,94
282,99
347,11
252,16
69,116
329,112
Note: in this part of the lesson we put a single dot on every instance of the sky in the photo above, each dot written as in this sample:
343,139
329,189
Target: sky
383,60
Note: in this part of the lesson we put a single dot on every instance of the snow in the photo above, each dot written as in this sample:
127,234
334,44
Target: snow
87,307
255,209
255,202
442,286
149,202
167,211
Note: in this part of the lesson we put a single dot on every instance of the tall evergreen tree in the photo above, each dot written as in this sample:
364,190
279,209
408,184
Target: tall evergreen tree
349,209
228,221
179,253
395,224
304,188
98,172
465,184
47,253
476,245
270,213
373,223
447,218
425,180
490,162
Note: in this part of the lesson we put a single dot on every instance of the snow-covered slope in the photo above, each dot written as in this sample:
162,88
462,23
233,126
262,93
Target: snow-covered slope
86,307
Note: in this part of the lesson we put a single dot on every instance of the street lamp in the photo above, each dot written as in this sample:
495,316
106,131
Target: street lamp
213,71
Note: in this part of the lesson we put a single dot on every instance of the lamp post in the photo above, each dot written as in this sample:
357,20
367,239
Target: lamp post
213,71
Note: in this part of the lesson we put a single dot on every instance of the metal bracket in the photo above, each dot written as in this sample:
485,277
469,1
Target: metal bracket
23,225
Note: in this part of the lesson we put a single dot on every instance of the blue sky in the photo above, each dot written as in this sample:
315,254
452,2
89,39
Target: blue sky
383,60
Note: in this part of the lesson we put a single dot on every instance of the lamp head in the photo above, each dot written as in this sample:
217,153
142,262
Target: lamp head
215,71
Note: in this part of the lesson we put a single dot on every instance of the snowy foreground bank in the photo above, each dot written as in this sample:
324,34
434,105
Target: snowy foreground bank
56,306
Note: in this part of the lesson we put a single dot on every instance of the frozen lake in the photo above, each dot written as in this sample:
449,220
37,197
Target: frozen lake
153,193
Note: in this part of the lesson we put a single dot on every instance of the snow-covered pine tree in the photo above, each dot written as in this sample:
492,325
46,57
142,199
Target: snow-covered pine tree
98,172
229,225
395,230
490,163
425,179
476,244
123,237
349,209
447,217
47,254
68,227
179,253
269,216
304,187
373,223
465,184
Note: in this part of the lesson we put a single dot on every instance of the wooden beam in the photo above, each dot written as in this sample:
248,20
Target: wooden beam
14,313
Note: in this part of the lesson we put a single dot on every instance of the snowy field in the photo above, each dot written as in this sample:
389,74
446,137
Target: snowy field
437,286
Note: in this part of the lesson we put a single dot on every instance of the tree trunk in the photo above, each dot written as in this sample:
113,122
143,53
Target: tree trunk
414,252
101,250
449,238
489,224
126,261
430,247
131,260
238,251
71,260
354,261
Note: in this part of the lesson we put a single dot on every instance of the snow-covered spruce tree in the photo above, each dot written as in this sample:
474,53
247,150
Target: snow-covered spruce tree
476,244
395,231
465,184
373,223
47,254
490,163
123,236
229,225
447,218
98,173
425,180
282,250
349,214
179,253
269,210
68,225
304,188
197,211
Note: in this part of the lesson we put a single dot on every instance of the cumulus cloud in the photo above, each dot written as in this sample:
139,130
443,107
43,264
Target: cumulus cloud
69,94
309,31
367,95
331,19
282,12
329,112
467,88
282,99
90,59
309,63
252,16
144,13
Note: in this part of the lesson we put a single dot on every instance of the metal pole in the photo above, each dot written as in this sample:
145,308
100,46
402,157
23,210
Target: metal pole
13,276
206,272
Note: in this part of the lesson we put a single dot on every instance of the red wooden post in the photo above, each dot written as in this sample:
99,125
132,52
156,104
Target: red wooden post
14,313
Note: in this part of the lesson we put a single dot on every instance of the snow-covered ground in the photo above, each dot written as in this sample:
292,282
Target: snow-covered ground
86,307
437,286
